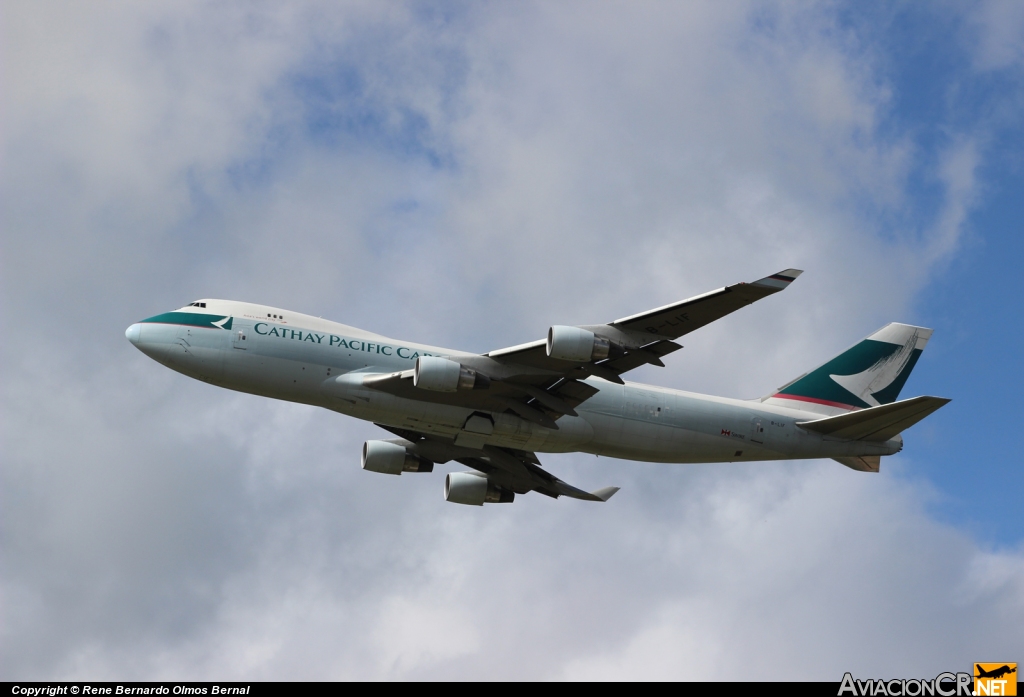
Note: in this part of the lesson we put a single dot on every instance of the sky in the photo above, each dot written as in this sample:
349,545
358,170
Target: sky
466,175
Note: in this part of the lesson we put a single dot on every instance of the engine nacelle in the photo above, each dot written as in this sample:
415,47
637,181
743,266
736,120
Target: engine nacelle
474,489
580,345
442,375
391,458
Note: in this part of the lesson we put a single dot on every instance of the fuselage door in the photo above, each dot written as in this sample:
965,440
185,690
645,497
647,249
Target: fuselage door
240,339
756,430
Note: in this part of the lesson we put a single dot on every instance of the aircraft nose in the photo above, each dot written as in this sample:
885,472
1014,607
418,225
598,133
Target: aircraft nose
133,333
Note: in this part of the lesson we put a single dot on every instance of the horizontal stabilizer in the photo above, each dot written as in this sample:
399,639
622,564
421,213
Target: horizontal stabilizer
863,463
877,423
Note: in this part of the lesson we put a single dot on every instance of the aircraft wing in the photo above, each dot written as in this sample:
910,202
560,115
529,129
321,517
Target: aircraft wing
647,336
540,385
675,320
517,470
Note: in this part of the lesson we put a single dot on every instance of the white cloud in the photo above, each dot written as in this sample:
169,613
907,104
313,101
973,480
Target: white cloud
957,173
465,179
999,27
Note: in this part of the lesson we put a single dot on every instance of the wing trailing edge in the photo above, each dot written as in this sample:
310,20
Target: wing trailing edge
518,471
861,463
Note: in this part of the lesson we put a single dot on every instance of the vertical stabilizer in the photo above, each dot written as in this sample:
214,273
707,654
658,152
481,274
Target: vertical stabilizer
869,374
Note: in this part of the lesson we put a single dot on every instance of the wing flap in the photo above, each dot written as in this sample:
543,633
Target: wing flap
508,470
575,392
862,463
877,423
518,470
651,353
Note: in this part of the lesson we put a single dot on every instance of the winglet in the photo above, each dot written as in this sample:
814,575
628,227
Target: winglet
605,493
569,490
779,280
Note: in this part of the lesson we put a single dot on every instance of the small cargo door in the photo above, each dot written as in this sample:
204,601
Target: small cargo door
756,430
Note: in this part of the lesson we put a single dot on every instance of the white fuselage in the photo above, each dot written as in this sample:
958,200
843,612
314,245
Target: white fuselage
298,358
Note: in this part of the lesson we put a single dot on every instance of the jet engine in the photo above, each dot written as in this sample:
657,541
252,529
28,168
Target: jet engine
580,345
442,375
391,458
474,489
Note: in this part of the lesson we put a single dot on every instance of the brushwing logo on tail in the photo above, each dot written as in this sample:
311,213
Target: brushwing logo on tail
880,375
868,374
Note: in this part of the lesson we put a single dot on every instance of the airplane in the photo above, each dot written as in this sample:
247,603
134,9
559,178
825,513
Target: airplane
563,393
996,673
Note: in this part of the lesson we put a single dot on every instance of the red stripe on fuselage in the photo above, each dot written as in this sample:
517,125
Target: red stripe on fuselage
827,403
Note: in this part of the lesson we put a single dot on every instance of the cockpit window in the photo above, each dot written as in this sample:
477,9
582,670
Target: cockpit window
197,304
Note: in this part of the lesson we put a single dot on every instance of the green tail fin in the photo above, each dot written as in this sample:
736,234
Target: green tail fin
869,374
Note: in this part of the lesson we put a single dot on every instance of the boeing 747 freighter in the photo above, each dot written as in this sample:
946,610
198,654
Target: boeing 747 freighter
564,393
